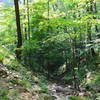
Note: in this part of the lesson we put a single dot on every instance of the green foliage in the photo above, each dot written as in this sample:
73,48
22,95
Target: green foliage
3,91
25,83
60,35
13,94
77,98
62,32
96,79
4,98
44,88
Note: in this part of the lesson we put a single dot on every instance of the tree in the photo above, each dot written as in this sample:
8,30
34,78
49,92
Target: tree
19,35
28,18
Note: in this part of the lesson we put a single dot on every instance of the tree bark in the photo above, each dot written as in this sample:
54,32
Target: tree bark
19,35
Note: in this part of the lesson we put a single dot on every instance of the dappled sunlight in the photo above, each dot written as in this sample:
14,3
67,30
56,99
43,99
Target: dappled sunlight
49,49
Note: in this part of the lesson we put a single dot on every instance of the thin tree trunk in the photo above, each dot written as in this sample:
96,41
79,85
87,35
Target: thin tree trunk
28,18
95,11
25,29
19,35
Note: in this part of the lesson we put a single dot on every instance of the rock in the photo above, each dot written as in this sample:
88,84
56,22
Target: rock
36,88
36,80
44,96
3,71
35,97
67,97
14,78
25,96
60,89
21,89
98,96
58,97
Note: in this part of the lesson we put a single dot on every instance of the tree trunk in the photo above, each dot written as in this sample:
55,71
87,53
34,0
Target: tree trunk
19,35
25,29
28,18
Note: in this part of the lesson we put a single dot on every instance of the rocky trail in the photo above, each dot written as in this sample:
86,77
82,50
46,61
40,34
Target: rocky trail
60,92
14,85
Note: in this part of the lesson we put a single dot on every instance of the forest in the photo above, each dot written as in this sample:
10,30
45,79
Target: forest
49,49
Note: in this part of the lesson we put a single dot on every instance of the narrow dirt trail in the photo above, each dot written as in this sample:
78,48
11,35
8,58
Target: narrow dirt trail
63,92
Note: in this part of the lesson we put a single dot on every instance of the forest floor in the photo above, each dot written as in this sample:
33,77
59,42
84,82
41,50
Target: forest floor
15,85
